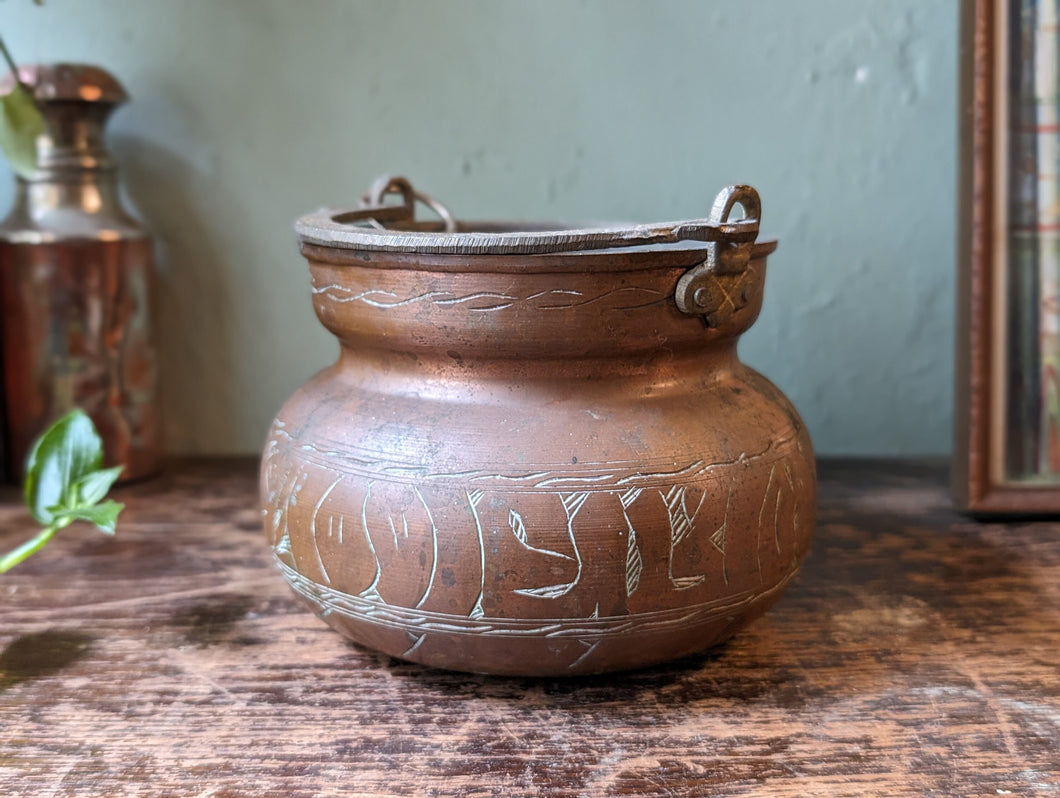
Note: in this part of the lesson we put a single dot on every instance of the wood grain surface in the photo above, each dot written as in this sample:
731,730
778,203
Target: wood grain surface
917,653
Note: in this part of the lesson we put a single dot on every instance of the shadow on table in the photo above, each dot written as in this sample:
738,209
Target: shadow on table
40,654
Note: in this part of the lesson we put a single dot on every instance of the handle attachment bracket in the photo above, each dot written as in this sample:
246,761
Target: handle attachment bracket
721,285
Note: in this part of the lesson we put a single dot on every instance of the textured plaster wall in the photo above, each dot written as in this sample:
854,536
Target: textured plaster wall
248,113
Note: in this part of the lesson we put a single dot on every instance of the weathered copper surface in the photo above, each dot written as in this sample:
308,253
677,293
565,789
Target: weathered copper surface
74,334
74,282
538,463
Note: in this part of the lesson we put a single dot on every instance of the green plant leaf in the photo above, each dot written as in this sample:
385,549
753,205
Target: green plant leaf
65,483
104,516
94,486
43,488
20,124
68,450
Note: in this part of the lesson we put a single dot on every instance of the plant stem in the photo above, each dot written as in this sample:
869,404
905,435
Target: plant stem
31,546
14,71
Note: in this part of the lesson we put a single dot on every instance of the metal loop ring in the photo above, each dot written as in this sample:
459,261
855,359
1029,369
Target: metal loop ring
388,184
728,198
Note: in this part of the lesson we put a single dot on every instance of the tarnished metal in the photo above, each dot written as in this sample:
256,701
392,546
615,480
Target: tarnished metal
74,280
527,459
375,210
721,285
714,289
379,227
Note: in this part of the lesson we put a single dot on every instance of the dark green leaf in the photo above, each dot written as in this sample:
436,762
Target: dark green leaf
66,452
43,488
20,124
104,516
93,487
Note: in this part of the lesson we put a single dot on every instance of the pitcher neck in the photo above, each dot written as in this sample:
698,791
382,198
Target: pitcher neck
73,190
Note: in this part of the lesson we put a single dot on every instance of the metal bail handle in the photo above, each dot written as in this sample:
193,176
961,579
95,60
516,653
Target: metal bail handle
704,289
380,224
376,210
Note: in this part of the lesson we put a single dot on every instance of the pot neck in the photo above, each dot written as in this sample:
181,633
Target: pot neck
446,375
72,142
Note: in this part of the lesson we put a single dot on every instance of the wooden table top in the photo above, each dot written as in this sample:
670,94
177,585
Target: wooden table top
917,653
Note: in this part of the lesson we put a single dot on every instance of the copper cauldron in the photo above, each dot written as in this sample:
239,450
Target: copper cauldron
537,453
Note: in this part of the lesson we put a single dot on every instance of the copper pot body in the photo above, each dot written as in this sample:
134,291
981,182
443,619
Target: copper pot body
535,464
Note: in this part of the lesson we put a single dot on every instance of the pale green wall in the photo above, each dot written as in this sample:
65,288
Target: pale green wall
248,113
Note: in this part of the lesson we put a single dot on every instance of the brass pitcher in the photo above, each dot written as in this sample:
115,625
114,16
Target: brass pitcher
74,282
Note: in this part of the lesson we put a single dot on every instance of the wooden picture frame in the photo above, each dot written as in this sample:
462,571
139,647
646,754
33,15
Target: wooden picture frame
992,442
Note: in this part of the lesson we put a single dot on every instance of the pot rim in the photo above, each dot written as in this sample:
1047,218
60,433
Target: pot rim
333,228
377,225
681,256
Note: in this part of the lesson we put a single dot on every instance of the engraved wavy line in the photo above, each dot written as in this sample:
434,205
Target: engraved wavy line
470,297
489,308
341,294
374,468
554,291
497,627
604,295
419,616
580,480
420,469
505,477
338,293
418,621
331,290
